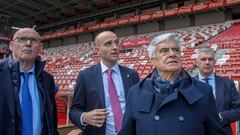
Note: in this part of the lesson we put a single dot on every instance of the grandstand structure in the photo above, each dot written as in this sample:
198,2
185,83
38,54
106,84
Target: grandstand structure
68,28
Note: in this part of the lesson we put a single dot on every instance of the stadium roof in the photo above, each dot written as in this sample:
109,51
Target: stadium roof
41,12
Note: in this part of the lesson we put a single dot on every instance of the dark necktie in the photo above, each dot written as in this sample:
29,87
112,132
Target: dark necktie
114,101
27,112
206,80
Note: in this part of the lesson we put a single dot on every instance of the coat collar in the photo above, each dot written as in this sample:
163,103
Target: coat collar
39,66
4,65
187,89
11,64
12,71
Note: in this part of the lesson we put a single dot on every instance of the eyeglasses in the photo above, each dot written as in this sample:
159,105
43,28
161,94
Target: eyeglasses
207,59
33,40
167,50
111,42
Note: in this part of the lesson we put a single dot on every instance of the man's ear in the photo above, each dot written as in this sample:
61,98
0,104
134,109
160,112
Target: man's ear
153,61
215,61
11,45
196,63
97,50
41,47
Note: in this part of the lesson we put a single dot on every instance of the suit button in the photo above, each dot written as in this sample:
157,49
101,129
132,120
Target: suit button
12,120
156,117
181,118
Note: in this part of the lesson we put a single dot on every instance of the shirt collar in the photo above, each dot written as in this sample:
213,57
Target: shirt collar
211,76
32,70
115,68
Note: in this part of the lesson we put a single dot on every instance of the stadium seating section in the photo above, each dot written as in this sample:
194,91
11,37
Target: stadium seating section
65,62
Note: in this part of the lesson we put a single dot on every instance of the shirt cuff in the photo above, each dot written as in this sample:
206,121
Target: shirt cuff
220,116
81,120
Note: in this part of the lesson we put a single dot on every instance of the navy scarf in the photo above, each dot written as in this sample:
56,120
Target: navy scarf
166,87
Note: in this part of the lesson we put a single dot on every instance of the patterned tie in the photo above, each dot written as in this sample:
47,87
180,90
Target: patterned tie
27,120
115,104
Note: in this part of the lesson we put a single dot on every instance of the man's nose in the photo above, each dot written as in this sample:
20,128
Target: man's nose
207,61
114,45
171,52
28,42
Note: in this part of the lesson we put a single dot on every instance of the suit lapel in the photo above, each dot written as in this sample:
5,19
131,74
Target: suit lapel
125,79
99,84
219,85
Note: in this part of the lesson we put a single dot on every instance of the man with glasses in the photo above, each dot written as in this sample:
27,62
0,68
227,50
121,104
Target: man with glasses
27,92
168,101
223,89
101,90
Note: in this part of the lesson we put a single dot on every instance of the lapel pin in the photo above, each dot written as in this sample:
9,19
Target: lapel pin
127,75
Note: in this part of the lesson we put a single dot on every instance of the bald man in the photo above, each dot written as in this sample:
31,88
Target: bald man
101,90
27,92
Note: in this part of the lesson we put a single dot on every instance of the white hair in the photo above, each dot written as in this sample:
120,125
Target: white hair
160,38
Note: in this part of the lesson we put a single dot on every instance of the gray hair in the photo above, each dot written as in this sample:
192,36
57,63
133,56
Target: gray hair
206,50
160,38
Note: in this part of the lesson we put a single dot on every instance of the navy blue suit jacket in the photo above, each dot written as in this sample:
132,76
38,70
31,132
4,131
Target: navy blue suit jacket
227,102
10,110
189,110
89,94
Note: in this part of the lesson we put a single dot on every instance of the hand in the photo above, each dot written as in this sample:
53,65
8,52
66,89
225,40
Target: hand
75,132
95,117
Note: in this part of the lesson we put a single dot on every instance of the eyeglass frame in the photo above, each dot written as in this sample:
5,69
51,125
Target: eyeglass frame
33,40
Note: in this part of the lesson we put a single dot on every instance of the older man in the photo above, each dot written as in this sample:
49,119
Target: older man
27,92
99,97
168,101
223,89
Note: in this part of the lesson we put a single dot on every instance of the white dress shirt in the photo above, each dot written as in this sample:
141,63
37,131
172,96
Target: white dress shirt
117,78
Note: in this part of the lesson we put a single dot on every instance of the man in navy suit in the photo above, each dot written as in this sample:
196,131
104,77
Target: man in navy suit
101,90
224,90
27,91
168,101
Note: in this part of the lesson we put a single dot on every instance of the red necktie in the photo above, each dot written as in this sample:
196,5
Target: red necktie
114,100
